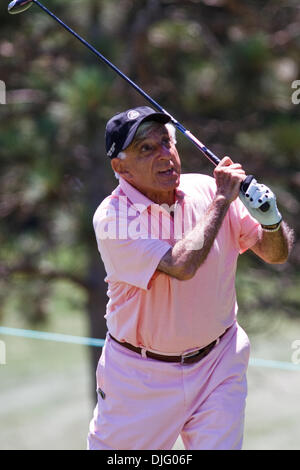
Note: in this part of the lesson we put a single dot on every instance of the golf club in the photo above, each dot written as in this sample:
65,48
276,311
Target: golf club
18,6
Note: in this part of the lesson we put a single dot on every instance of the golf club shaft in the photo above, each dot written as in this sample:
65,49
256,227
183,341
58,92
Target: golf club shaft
210,155
18,6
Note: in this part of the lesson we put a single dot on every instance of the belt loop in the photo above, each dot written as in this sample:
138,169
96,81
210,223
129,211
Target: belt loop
143,352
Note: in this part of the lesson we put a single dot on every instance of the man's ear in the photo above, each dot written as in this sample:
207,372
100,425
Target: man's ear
115,164
119,166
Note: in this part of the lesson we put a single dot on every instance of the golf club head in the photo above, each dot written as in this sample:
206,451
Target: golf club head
18,6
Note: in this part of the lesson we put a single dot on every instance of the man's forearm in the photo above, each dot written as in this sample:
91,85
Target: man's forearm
274,247
187,255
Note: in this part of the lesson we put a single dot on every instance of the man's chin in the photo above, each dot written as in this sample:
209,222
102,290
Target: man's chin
172,180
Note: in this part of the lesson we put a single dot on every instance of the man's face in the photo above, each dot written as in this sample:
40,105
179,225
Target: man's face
152,164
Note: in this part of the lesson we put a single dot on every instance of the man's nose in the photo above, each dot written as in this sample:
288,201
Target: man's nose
164,151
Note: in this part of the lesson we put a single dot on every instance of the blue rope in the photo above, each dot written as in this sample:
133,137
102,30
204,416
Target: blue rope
99,343
52,336
273,364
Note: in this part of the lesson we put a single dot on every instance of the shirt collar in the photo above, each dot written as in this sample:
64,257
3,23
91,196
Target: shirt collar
136,197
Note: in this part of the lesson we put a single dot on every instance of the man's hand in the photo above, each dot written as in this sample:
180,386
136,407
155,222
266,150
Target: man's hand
229,176
254,197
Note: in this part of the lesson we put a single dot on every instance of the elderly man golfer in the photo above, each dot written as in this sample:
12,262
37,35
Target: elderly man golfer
175,358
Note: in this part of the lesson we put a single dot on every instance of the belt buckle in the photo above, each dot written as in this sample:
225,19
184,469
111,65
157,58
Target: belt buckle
189,355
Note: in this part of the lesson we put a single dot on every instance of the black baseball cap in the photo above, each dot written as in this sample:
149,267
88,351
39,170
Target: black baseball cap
121,128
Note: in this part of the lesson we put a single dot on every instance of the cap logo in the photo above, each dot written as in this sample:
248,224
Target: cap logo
111,150
132,115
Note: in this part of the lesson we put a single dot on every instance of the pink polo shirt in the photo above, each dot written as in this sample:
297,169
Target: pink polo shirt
149,308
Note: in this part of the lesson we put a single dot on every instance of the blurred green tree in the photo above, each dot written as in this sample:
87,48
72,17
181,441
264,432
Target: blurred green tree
223,67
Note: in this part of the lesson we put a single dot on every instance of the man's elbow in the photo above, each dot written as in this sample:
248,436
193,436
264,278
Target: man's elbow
186,276
185,273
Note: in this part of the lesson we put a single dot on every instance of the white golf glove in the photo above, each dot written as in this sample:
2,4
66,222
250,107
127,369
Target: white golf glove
261,203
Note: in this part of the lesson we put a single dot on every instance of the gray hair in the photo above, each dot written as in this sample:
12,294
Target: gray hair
142,131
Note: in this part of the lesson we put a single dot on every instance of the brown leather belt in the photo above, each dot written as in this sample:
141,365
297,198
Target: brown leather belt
188,358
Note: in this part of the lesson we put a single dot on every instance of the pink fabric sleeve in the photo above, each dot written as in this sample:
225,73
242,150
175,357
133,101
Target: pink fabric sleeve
133,261
250,228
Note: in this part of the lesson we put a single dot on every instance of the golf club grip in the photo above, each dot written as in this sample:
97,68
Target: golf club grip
244,186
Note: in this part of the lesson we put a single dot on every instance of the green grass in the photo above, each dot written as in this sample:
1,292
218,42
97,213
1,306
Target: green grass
45,395
273,410
46,402
45,387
